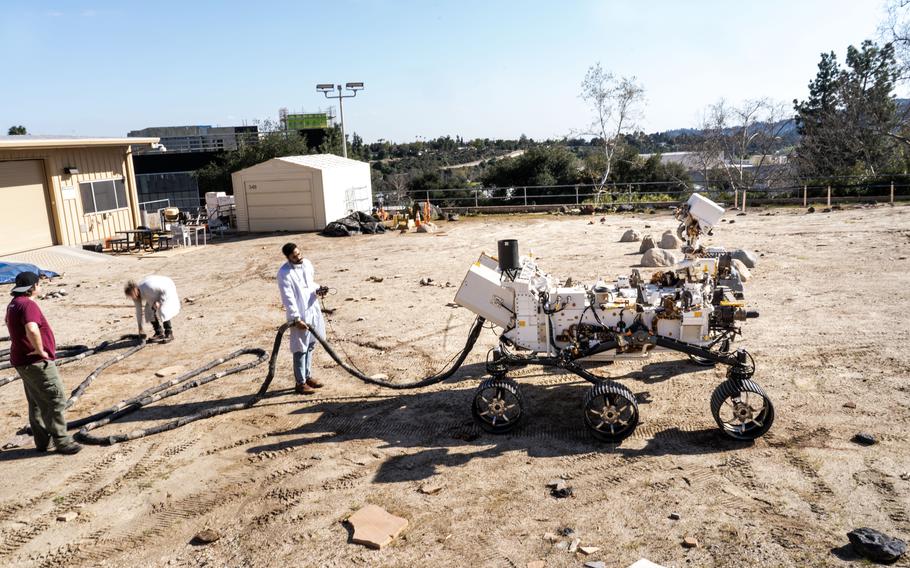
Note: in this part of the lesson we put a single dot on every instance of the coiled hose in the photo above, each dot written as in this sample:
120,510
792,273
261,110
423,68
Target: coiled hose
183,383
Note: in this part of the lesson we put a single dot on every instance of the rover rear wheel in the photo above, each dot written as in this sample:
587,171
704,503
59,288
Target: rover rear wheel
741,409
610,412
498,406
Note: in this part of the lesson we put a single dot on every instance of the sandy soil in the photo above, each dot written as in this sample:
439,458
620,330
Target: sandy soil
277,480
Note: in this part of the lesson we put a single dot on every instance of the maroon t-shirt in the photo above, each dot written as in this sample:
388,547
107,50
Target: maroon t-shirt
20,311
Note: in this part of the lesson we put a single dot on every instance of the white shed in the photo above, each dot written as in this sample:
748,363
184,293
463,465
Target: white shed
300,193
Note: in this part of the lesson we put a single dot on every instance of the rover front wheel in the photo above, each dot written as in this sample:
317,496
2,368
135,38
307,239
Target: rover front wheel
741,409
498,406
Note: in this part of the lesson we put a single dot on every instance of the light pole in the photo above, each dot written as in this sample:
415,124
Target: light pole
325,89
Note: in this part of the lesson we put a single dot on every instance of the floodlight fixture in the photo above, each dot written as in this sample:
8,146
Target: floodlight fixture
326,88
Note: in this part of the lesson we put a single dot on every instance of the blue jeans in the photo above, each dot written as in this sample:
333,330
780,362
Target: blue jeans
303,362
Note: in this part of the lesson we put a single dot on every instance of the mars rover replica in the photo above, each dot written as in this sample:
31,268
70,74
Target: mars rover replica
695,307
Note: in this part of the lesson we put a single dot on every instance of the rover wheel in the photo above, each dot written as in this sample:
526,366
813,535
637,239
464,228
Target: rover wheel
721,347
742,409
611,413
498,406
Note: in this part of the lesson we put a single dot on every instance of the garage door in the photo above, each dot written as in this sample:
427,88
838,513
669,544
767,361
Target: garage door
280,205
24,220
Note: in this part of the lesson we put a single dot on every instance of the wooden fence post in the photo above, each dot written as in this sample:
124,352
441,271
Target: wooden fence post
744,201
892,193
829,197
805,196
735,198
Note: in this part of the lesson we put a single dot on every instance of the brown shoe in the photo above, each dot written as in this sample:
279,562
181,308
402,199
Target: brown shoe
313,383
304,389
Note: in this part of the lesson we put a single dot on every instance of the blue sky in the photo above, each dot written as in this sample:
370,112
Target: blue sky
494,69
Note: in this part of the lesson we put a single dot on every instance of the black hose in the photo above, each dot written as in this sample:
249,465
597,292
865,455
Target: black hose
183,383
427,381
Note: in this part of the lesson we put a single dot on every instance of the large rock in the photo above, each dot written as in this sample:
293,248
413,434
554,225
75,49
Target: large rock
630,236
876,546
658,257
647,243
740,267
747,257
669,241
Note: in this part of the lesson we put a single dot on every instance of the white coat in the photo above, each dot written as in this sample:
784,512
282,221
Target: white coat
154,289
297,286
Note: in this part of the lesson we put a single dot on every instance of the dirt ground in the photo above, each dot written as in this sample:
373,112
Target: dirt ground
276,481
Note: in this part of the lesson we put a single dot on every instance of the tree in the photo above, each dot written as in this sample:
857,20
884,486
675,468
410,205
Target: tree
849,124
615,105
216,176
740,142
17,130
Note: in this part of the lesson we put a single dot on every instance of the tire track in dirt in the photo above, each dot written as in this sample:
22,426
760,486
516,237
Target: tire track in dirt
820,490
88,494
889,498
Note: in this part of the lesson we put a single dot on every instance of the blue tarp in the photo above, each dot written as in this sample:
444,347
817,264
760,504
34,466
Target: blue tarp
9,270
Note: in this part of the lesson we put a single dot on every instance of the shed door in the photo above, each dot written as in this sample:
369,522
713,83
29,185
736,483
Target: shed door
281,205
25,222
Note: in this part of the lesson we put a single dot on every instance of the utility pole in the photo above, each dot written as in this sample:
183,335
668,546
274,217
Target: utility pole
325,89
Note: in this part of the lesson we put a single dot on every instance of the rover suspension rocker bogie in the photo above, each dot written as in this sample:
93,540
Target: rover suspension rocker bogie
695,307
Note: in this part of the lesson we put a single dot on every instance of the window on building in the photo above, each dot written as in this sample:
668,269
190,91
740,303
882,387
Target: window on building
105,195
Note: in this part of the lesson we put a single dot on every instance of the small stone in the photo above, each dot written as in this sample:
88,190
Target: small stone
647,243
169,371
206,536
574,546
905,476
189,300
380,377
810,210
561,492
746,257
63,292
375,279
630,236
588,550
595,564
567,531
669,241
690,542
432,488
849,404
67,516
732,221
375,527
863,439
361,318
875,545
673,516
448,284
658,257
562,545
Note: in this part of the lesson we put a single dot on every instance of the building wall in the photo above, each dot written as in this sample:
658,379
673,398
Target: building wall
71,225
304,183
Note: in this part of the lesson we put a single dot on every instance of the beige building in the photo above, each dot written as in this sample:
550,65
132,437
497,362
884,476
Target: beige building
65,191
300,193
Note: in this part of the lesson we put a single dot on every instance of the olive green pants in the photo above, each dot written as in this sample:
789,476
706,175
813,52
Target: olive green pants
46,403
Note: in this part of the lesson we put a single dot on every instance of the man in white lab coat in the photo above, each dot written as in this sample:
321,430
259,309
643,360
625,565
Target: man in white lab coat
299,290
159,293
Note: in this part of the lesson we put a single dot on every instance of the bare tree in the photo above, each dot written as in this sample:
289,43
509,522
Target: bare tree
615,103
741,143
398,184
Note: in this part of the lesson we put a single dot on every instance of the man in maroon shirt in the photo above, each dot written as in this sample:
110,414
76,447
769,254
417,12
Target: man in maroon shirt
32,352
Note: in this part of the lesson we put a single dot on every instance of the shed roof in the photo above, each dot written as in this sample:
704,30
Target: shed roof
320,161
27,141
